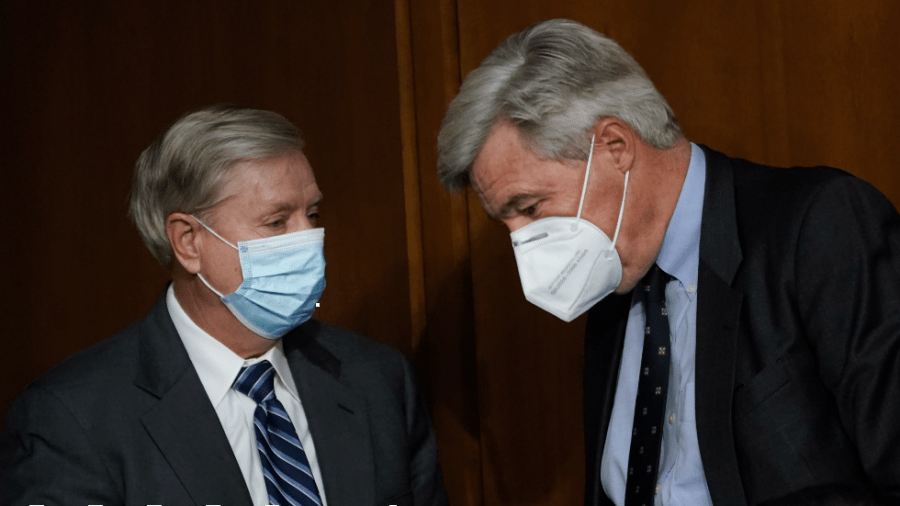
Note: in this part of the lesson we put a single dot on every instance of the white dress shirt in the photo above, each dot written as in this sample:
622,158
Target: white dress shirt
682,481
218,367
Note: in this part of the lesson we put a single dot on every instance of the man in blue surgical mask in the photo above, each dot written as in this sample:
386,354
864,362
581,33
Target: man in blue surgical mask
743,332
227,392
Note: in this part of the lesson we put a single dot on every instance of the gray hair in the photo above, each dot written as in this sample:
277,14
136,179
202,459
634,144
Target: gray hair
186,167
553,81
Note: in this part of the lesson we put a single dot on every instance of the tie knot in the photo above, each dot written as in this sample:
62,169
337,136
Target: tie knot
256,381
654,283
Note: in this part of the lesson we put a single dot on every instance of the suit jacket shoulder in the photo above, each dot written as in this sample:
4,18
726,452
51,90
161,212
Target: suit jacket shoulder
125,421
815,343
363,401
352,350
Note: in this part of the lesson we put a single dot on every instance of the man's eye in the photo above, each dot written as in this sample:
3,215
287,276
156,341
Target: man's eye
276,223
529,211
312,217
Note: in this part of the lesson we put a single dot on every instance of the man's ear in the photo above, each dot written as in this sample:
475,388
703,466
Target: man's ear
616,142
183,232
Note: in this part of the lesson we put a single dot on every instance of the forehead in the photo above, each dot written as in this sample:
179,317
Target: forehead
506,168
503,159
275,179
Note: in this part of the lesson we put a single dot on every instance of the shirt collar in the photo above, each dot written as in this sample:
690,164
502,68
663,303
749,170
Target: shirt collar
216,365
680,252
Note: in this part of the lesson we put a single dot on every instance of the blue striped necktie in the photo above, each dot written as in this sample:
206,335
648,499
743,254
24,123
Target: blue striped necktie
286,470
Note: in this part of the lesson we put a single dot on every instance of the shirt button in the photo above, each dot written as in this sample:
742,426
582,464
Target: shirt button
657,489
691,288
672,418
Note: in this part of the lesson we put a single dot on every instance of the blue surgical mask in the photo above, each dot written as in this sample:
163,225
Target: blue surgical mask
284,276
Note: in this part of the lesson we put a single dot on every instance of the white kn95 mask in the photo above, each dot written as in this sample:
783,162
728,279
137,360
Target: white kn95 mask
567,264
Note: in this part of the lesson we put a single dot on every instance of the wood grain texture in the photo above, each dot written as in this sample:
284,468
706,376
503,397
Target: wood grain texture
449,341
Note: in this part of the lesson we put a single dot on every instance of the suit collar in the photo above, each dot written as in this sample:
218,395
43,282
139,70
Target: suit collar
307,341
163,359
603,344
216,364
337,416
719,244
184,424
718,315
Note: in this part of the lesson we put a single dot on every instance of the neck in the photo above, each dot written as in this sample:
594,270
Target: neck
668,170
656,183
208,312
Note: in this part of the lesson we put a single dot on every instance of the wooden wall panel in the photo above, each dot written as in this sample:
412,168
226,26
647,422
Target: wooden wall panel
448,342
785,83
87,88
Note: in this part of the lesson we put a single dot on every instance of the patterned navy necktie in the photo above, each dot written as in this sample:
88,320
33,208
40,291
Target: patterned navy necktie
653,383
289,479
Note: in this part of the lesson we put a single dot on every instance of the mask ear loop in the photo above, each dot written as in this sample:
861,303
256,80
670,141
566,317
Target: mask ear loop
205,282
587,173
213,232
621,209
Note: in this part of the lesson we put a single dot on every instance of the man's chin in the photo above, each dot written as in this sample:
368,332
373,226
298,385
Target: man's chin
625,286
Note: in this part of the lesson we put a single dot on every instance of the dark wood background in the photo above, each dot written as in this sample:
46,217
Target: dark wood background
87,87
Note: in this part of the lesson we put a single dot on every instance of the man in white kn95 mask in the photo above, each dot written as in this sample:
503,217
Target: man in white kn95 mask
742,338
568,264
228,391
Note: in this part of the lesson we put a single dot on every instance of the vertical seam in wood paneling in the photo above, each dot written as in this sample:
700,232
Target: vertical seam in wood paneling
461,208
411,191
434,32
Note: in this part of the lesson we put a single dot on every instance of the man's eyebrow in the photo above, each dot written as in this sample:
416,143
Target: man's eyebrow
288,206
511,205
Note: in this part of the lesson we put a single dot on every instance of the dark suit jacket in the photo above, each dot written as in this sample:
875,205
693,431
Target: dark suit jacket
127,421
798,336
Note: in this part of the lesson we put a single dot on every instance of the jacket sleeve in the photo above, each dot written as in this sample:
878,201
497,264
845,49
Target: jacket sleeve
426,478
848,280
47,458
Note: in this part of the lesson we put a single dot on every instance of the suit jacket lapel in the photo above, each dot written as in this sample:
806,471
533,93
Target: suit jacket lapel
718,312
184,424
604,340
337,418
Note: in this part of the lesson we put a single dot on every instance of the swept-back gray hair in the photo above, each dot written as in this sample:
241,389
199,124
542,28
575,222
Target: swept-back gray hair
553,81
186,167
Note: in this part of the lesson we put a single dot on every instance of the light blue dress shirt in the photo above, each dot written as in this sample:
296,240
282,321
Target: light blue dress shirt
681,478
